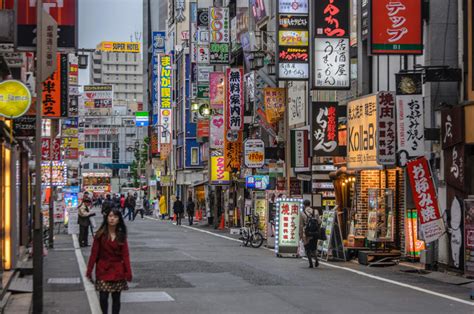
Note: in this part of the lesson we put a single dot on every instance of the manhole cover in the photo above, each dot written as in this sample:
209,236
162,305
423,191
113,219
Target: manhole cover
64,281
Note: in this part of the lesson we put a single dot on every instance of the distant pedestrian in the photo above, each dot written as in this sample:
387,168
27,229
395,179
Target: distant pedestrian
107,205
111,259
163,207
178,210
129,207
190,210
83,219
310,224
156,206
122,204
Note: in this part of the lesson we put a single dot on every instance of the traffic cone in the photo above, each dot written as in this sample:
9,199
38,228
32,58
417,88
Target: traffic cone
174,217
222,224
196,215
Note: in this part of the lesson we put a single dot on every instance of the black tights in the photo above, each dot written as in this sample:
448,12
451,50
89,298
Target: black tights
104,302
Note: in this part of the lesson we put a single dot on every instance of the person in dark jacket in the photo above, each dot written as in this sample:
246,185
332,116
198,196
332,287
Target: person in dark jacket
190,210
129,207
83,219
178,209
310,242
111,259
107,205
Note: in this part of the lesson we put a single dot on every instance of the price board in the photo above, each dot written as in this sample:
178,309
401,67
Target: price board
254,153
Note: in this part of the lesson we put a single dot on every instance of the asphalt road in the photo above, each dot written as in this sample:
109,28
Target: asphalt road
181,270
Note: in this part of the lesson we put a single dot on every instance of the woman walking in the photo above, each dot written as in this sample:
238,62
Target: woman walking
190,209
111,259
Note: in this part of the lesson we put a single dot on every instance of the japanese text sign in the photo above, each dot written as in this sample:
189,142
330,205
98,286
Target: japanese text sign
274,100
293,6
52,93
293,38
410,126
235,99
332,63
386,129
397,27
296,102
254,153
288,221
218,173
165,81
233,152
325,137
299,149
331,18
452,126
424,196
219,53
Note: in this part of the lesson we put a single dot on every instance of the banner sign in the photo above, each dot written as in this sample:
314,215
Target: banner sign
287,225
233,152
24,126
219,53
293,38
258,182
52,93
362,133
159,39
235,99
203,17
396,27
219,25
159,42
331,18
219,175
293,71
332,63
410,126
425,198
202,128
386,129
165,113
217,90
325,129
293,6
254,153
274,101
70,127
296,102
119,46
293,54
299,149
217,132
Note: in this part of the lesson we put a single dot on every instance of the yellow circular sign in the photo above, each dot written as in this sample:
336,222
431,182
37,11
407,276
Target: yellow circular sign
15,99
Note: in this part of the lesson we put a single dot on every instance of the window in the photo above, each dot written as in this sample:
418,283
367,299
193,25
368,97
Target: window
194,156
116,56
126,57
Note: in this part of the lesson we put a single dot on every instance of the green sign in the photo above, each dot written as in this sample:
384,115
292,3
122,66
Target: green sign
203,91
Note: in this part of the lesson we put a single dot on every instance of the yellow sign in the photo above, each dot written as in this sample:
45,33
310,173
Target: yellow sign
293,38
362,133
118,46
15,99
218,173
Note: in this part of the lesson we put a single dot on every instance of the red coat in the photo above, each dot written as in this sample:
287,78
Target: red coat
111,260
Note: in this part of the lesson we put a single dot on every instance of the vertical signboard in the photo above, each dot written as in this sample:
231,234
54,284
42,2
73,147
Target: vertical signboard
235,99
274,99
217,90
325,135
217,131
299,149
219,35
287,225
233,151
426,200
296,103
165,114
331,18
52,93
386,129
159,39
396,27
219,175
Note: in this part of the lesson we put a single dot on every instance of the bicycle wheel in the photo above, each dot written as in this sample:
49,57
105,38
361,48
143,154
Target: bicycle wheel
256,240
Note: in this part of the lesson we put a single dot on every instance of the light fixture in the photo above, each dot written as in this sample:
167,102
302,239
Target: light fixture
204,110
194,106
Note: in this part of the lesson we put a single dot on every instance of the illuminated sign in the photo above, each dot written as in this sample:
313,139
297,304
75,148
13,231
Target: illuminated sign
15,99
113,46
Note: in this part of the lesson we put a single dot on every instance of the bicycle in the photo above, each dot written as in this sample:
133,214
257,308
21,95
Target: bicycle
251,234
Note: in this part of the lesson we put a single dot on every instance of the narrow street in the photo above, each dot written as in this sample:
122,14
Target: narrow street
188,270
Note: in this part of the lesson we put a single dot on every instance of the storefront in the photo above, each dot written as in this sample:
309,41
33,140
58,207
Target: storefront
96,183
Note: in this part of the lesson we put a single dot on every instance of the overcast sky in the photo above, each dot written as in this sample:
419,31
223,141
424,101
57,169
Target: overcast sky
103,20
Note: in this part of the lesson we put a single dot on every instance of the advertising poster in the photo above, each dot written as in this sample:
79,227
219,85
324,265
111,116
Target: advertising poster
59,173
325,137
257,182
274,101
217,90
254,153
70,127
235,99
217,132
362,133
426,200
219,176
299,149
386,129
296,102
98,96
293,38
287,225
332,63
396,27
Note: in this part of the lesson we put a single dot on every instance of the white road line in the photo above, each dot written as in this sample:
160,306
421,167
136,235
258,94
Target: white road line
397,283
88,286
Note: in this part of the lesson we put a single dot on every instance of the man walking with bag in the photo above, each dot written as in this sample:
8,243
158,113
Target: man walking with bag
310,224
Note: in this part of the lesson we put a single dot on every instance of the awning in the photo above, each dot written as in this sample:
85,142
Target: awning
116,166
198,183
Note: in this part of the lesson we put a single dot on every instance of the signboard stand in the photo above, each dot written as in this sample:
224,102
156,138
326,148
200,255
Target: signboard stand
287,226
333,245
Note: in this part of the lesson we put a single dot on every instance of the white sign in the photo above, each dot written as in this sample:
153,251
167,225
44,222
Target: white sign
296,102
297,71
386,129
332,63
410,125
293,6
219,25
203,73
203,36
254,153
202,54
217,132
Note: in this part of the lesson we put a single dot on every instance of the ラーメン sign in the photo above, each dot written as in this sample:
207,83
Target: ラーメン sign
254,153
15,99
218,173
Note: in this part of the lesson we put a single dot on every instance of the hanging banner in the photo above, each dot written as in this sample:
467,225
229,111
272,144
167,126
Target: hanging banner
325,135
52,93
331,18
217,132
254,153
296,103
274,101
235,99
410,127
396,27
165,112
332,63
362,133
219,176
287,225
299,149
233,153
425,198
217,90
219,25
386,129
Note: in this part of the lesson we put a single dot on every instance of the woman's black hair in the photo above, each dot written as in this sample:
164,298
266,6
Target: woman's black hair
121,227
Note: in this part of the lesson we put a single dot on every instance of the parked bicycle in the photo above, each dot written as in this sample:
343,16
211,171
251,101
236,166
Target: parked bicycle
251,234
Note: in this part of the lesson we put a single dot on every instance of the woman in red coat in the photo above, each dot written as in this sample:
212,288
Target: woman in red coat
111,259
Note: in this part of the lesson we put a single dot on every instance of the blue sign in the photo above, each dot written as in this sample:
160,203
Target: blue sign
257,182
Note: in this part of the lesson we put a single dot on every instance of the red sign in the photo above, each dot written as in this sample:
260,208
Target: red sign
52,93
397,27
45,148
424,196
235,99
332,18
50,152
203,128
293,54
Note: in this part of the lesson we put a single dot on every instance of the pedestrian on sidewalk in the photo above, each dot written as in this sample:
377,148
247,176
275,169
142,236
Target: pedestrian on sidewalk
310,224
111,259
190,210
107,205
122,204
83,219
156,206
129,207
163,206
178,209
